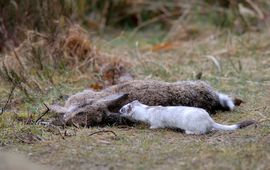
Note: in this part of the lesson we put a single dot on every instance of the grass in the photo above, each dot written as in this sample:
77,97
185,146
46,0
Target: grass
244,62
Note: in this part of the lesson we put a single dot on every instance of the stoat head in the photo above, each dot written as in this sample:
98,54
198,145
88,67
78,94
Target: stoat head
129,109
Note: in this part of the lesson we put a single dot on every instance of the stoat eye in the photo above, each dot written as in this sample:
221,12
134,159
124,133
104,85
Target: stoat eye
129,108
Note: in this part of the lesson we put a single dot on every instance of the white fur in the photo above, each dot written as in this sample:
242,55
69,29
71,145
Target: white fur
190,119
226,101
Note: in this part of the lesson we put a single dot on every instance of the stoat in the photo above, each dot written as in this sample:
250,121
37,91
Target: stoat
190,119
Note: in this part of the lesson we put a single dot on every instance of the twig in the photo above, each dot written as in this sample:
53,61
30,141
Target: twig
60,133
38,34
74,124
22,140
103,131
58,130
215,61
153,20
234,67
18,59
43,114
9,99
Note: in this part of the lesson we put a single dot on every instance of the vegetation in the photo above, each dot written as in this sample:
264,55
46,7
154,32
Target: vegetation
66,46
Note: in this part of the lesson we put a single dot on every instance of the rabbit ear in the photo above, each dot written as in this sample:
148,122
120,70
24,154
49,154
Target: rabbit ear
114,99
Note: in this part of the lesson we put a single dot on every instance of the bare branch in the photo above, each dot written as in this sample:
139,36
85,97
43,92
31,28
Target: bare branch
43,114
9,98
103,131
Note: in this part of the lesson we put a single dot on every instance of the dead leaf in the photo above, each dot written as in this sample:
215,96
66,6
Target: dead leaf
161,47
97,86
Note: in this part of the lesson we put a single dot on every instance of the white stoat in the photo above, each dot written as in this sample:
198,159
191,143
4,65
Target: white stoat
190,119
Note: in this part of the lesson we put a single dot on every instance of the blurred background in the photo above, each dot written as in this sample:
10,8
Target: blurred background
39,38
100,15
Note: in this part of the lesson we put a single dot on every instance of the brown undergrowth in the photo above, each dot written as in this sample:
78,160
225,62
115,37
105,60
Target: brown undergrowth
40,57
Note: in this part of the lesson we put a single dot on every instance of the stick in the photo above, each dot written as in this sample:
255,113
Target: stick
103,131
60,133
43,114
58,130
9,99
22,140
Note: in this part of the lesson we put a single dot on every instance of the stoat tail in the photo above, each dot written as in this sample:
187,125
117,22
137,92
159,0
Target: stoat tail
240,125
225,101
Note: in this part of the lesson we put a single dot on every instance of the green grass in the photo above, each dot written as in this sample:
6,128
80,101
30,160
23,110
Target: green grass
245,73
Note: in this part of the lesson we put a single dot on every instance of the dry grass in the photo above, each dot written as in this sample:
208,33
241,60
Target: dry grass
239,65
40,58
